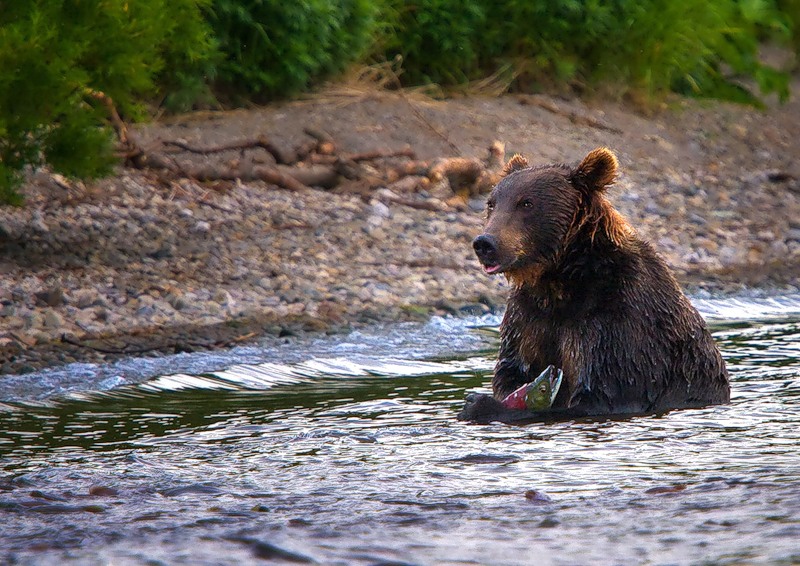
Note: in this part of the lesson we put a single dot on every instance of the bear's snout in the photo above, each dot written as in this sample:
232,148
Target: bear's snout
486,249
485,246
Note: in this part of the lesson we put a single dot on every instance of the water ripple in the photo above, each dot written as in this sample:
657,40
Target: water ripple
354,456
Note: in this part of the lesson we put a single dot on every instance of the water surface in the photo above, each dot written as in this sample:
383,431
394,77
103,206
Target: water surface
347,451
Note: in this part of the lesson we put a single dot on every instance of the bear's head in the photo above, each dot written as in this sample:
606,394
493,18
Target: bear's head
534,214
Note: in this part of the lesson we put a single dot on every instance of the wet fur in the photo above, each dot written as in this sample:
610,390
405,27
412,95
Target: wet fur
598,303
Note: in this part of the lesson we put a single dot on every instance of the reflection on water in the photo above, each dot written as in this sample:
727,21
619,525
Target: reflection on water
358,459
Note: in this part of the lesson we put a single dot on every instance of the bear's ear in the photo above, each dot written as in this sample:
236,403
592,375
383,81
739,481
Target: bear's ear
516,163
597,170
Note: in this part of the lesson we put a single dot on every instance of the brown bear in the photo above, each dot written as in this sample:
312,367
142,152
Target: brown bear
590,297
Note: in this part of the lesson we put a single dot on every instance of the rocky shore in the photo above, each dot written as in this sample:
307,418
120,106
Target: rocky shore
131,265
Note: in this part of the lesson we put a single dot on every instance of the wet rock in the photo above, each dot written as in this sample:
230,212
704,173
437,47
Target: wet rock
549,523
666,489
536,496
474,309
268,551
286,331
447,306
102,491
46,495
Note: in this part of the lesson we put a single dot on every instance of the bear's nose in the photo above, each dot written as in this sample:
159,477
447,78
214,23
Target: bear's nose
484,245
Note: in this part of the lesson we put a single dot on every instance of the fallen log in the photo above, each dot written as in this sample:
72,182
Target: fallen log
247,173
317,163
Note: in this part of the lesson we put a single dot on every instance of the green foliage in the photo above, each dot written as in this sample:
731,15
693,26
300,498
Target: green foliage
439,40
696,47
790,10
273,48
53,53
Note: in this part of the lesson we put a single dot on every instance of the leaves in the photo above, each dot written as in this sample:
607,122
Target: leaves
696,47
273,49
53,51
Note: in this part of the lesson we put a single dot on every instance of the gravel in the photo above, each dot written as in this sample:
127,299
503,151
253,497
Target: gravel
130,266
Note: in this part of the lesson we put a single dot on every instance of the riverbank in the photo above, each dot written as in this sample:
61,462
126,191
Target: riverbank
132,265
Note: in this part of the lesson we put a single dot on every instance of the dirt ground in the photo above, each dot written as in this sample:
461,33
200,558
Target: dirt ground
682,136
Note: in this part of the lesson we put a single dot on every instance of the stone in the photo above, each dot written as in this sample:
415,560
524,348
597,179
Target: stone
202,227
380,209
224,298
32,320
85,298
176,301
52,320
52,297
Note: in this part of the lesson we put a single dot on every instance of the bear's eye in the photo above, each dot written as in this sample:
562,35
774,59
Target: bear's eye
525,204
490,206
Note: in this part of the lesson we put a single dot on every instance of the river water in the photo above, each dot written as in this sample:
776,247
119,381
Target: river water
346,450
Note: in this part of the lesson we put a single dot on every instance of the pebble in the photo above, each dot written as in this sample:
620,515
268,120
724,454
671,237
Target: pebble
32,321
52,319
202,227
85,298
135,257
51,297
224,298
379,209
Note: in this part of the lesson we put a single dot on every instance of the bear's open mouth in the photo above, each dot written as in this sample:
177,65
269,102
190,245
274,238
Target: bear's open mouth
493,268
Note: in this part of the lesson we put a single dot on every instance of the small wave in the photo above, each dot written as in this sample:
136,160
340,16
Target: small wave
383,350
269,375
748,307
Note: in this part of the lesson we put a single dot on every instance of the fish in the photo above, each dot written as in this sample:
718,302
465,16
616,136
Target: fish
539,394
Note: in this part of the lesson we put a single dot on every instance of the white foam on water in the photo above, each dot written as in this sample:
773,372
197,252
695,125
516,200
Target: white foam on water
386,350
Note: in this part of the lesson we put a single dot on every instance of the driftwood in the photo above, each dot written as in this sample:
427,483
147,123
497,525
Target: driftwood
470,176
279,155
388,197
392,175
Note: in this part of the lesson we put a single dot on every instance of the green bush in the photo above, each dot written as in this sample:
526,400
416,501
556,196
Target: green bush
696,47
790,10
652,46
54,52
273,48
440,41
